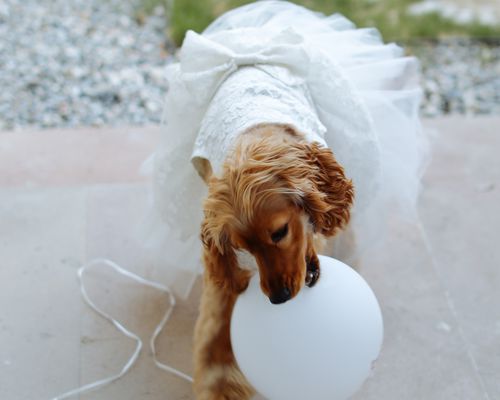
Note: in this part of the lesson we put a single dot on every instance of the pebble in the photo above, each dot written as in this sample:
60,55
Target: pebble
67,63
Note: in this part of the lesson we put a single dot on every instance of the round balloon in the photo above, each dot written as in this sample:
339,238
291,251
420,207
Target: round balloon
320,345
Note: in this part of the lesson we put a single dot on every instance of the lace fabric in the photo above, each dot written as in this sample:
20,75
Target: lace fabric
249,96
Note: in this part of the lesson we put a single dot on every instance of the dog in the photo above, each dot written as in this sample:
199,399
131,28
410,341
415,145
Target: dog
285,114
278,194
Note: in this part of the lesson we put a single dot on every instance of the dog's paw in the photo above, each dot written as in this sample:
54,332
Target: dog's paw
313,270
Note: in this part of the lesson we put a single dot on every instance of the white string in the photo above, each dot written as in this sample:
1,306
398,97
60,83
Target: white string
125,331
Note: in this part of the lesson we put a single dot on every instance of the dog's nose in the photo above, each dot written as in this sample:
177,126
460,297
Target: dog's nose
281,296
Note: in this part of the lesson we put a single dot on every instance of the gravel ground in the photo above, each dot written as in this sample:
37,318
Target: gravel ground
460,77
67,63
73,62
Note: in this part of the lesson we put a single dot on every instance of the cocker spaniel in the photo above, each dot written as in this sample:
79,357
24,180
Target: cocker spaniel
276,195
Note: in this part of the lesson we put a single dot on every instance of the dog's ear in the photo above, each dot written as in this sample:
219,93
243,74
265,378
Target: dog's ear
327,195
219,256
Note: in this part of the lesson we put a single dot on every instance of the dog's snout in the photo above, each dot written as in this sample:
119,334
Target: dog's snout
281,296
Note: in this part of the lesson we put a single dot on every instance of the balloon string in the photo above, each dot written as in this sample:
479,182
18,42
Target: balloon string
125,331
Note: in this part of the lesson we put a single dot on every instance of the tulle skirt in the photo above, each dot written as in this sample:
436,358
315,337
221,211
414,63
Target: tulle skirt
368,98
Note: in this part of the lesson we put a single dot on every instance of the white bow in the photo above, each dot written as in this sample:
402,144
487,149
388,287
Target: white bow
205,63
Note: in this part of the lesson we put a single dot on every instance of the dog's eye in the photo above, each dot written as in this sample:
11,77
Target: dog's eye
279,234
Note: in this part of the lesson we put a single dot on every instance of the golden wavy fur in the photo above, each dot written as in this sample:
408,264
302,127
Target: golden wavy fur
277,192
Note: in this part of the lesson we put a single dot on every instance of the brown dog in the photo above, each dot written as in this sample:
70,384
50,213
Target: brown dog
276,194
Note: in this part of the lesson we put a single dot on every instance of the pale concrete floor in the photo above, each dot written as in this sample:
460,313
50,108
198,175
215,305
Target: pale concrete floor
67,197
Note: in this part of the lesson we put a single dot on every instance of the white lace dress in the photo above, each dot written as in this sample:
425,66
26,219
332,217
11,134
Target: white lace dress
340,85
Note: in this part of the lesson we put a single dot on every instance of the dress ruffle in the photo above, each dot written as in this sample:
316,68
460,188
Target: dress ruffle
366,95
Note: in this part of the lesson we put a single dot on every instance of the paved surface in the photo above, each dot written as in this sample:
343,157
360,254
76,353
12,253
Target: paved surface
64,202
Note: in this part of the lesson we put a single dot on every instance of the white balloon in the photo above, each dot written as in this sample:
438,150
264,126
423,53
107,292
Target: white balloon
320,345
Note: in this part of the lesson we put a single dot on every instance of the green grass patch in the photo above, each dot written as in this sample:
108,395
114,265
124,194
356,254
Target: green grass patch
390,17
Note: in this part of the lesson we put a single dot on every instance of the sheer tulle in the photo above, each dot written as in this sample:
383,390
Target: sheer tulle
365,92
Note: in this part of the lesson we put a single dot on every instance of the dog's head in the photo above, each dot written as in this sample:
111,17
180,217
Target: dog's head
270,204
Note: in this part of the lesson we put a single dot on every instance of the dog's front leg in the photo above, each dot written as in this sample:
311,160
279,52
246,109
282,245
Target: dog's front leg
216,375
